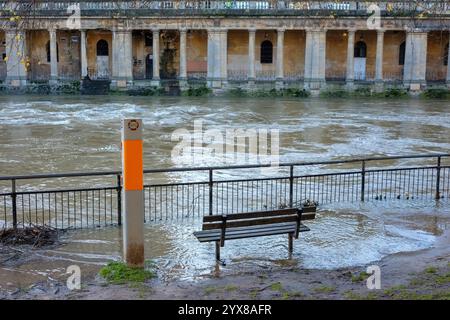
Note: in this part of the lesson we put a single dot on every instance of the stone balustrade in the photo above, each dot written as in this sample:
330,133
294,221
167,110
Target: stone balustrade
231,6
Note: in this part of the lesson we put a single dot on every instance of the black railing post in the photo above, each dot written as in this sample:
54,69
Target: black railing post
14,203
438,179
291,186
210,183
363,180
119,200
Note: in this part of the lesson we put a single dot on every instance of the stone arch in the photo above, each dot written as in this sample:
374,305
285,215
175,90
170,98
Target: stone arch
266,52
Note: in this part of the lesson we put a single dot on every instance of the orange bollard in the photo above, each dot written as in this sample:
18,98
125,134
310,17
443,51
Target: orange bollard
133,192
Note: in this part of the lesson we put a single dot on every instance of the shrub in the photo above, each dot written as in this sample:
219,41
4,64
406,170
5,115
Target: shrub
436,93
197,92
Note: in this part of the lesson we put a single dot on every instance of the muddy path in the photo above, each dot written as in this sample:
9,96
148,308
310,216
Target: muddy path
423,274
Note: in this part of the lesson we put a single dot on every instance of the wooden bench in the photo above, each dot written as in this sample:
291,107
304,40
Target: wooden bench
219,228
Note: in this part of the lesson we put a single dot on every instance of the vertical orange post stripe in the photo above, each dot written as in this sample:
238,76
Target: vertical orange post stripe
133,168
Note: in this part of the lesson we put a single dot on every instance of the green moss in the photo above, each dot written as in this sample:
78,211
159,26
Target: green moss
209,290
350,295
360,277
431,270
120,273
277,286
443,279
231,287
324,289
254,294
291,295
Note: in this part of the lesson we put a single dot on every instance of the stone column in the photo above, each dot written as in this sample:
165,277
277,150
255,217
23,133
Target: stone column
280,59
350,77
156,79
83,54
315,59
414,71
53,57
16,68
217,58
122,63
379,58
224,58
251,56
183,62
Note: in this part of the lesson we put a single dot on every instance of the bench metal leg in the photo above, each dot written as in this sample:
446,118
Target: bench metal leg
218,250
291,243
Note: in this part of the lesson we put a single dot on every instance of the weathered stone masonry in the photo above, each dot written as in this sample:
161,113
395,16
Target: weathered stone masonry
281,47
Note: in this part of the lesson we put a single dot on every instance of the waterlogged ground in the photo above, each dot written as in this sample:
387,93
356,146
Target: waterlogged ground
61,134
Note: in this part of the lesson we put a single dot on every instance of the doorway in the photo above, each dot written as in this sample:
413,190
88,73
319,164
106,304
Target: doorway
149,66
102,59
360,57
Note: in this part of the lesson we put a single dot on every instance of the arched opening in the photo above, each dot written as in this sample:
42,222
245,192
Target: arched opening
401,54
102,59
360,54
48,52
266,52
149,66
360,49
102,48
446,55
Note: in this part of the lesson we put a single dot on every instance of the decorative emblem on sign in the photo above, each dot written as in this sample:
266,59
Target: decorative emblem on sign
133,125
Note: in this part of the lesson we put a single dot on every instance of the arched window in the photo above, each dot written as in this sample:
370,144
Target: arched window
102,48
446,55
360,49
401,54
266,52
48,52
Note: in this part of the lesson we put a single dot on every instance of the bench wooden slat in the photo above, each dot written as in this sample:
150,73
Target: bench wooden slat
250,233
243,229
249,215
251,222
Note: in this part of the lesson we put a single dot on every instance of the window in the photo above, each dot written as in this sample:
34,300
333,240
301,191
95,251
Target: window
401,54
266,52
148,40
360,50
102,48
48,52
446,55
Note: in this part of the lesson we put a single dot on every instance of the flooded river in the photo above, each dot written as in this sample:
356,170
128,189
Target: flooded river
70,134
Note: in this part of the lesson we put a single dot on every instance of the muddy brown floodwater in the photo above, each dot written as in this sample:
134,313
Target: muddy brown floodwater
70,134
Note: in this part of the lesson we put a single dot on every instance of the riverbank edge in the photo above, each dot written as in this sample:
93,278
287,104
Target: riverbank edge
416,275
201,90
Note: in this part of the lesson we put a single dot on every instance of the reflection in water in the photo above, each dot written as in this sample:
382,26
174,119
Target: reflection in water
61,134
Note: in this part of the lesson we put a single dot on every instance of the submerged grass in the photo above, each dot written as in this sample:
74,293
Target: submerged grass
120,273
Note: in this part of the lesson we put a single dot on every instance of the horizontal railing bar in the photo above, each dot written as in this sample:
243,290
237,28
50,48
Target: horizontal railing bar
250,166
60,191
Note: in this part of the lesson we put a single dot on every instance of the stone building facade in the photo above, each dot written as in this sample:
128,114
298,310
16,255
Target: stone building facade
305,44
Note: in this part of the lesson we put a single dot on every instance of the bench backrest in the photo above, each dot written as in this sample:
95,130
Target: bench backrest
252,218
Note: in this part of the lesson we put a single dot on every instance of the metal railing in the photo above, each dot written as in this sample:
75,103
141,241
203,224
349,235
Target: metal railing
211,6
419,177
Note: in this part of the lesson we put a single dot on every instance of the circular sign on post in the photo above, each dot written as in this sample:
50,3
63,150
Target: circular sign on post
133,125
